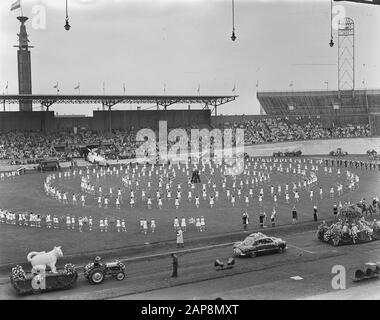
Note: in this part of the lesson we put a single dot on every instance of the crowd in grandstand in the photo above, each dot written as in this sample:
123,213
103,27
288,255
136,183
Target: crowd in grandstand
28,147
281,129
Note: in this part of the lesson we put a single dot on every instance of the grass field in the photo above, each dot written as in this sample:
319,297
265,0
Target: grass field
26,193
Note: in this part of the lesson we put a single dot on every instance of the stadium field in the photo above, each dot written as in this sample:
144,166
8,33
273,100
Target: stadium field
26,194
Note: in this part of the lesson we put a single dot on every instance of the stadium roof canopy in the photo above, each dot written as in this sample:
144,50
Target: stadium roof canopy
109,101
374,2
311,103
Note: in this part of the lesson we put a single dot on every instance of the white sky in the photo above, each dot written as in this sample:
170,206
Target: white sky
146,43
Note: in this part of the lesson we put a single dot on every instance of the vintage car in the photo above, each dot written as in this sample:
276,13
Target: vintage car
258,243
338,153
96,271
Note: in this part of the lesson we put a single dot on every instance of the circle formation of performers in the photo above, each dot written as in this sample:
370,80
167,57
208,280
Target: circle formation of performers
263,184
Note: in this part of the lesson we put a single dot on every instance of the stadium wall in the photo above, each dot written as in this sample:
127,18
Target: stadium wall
316,147
26,121
100,121
150,118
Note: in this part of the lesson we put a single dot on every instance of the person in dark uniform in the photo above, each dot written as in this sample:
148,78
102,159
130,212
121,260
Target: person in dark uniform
294,215
261,219
245,220
195,178
175,265
335,211
315,209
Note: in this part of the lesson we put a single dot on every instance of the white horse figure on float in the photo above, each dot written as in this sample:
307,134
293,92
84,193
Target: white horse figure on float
40,260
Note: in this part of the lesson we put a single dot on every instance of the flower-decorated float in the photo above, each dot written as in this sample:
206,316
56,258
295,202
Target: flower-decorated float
351,228
39,279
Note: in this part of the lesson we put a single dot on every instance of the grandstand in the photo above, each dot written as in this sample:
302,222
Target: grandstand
330,107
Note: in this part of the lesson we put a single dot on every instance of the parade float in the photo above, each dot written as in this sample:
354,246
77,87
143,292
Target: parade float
94,156
39,279
44,276
351,228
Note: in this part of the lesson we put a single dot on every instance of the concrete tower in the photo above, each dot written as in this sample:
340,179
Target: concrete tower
24,65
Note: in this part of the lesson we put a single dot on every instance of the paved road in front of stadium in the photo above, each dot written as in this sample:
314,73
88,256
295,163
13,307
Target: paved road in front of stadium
265,277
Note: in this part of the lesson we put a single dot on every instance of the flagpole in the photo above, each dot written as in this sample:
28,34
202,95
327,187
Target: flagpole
22,12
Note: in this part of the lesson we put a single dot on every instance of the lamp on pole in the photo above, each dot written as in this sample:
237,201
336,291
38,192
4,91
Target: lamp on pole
67,25
331,43
233,37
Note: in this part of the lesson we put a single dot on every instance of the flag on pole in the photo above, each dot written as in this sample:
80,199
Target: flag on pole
6,87
199,89
124,88
234,88
16,5
56,87
77,87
